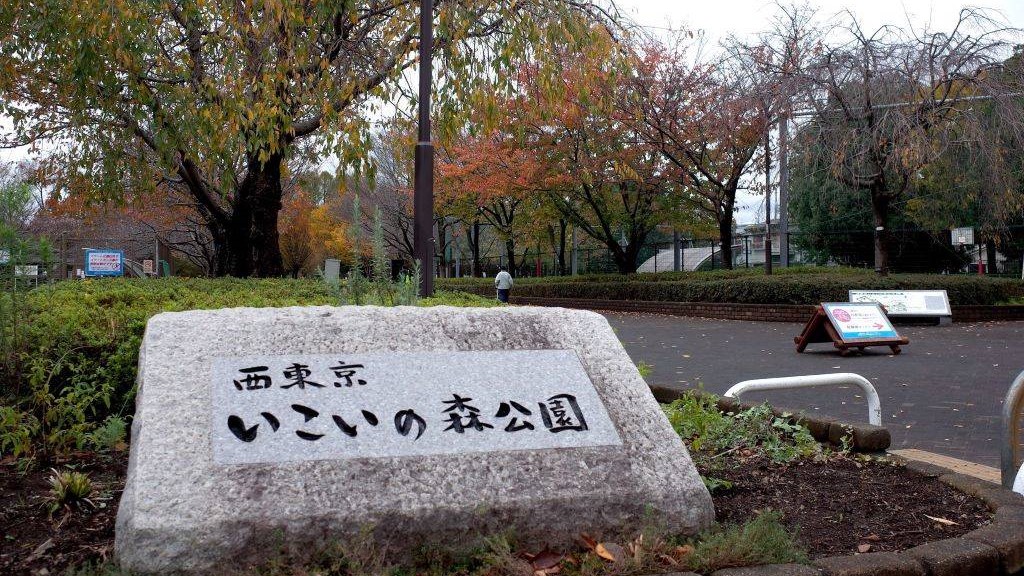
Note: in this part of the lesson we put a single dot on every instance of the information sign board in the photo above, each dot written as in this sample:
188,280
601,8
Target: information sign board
849,326
907,302
859,321
962,236
104,262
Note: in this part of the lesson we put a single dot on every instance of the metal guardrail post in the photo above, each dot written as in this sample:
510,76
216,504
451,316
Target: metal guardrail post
1008,457
814,380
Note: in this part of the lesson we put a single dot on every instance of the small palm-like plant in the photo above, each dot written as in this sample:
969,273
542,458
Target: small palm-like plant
69,488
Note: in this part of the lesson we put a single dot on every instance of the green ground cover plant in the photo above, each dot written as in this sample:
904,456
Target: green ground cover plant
79,344
801,285
711,433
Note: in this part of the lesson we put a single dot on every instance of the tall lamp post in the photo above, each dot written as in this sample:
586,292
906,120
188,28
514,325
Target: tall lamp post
423,196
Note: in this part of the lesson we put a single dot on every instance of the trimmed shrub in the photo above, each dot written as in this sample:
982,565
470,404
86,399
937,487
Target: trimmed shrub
80,349
790,286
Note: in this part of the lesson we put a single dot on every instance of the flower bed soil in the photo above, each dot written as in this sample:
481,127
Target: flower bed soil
836,507
848,506
38,543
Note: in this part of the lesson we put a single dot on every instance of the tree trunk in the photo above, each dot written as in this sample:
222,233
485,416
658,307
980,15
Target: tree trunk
990,256
252,237
561,246
510,252
880,211
625,259
474,246
725,236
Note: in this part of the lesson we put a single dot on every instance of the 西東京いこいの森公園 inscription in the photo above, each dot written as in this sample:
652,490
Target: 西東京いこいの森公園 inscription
309,407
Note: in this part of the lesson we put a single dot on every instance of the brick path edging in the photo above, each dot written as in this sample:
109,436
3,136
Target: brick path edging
751,312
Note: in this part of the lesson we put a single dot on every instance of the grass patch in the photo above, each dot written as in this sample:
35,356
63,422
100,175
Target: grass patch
69,488
763,540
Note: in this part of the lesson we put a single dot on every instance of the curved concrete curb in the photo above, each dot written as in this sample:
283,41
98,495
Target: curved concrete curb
996,549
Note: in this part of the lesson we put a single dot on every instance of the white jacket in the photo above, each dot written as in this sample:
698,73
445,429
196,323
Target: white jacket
503,281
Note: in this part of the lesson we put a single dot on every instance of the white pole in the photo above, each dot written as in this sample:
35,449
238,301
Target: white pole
837,379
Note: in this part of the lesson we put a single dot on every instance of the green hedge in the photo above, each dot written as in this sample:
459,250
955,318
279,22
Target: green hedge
789,286
79,348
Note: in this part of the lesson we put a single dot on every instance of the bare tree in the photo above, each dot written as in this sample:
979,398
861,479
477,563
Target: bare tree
891,101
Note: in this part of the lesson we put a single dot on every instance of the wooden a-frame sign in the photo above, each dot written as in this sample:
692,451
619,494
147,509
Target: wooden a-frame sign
849,326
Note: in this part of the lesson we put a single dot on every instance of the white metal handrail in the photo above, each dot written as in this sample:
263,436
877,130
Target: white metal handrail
1008,456
814,380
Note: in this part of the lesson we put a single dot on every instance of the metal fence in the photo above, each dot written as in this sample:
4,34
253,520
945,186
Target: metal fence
909,251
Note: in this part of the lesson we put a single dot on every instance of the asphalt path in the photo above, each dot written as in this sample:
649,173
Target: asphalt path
944,393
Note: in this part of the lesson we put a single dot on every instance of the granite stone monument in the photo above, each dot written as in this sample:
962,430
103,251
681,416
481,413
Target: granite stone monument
265,430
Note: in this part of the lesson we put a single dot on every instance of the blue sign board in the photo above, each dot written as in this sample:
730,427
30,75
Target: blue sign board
104,262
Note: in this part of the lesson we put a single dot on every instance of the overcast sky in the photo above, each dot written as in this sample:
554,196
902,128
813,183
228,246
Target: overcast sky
721,18
743,17
718,19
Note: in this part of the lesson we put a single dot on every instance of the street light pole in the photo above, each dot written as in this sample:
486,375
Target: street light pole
423,197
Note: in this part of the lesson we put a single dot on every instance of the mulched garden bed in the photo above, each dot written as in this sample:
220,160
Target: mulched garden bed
839,506
847,505
38,543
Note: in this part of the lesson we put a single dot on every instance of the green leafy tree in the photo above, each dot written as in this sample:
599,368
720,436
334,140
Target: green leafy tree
217,97
835,222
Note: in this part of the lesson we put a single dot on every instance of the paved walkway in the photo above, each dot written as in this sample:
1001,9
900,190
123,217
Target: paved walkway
943,394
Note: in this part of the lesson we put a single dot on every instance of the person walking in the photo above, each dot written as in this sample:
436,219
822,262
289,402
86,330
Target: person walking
503,282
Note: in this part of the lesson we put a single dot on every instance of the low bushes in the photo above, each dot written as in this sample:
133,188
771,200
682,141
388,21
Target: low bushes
79,346
789,286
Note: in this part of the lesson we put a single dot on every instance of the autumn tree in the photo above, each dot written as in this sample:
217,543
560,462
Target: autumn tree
891,102
391,192
708,119
311,231
219,97
491,178
603,174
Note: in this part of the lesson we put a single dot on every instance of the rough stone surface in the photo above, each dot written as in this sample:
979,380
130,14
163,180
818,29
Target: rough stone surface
997,497
1008,539
924,468
771,570
957,557
874,564
1009,515
182,511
